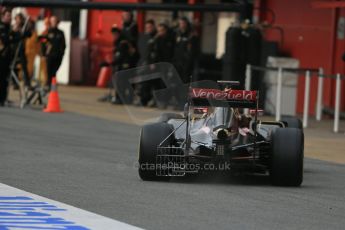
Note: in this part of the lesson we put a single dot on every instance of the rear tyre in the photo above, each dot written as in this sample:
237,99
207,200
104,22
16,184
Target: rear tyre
165,117
286,168
292,122
151,136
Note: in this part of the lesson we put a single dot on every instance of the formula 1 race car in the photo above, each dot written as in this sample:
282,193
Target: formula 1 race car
220,130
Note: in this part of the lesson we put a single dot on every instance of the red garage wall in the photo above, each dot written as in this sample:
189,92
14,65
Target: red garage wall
310,36
99,36
33,12
338,63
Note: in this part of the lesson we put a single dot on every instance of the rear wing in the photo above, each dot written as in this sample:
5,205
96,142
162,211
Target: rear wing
224,98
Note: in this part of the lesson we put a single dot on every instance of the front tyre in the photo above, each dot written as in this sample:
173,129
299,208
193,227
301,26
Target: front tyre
151,136
286,168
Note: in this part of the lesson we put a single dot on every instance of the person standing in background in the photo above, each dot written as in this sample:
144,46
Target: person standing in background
164,45
129,28
147,57
145,39
186,50
42,39
5,54
32,47
125,56
56,46
116,35
161,51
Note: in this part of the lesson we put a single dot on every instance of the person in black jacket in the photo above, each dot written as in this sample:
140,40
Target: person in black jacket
159,49
149,35
5,54
55,50
163,49
129,28
186,50
117,38
164,44
125,57
146,47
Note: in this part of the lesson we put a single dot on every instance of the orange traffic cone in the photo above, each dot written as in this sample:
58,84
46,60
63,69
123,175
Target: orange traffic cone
53,100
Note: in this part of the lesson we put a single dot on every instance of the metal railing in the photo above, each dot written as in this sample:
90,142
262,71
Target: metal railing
308,73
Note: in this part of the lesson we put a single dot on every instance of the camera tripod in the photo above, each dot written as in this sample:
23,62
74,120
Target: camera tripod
27,94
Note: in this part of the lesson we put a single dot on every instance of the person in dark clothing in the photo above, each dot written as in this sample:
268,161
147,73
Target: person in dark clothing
117,38
55,49
125,57
5,54
145,41
163,44
116,32
159,49
150,34
18,36
129,28
163,49
186,50
146,45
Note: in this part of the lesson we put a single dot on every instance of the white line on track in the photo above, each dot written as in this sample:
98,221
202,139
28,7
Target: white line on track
23,210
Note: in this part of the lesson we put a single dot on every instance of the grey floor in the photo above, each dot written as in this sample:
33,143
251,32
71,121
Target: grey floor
90,163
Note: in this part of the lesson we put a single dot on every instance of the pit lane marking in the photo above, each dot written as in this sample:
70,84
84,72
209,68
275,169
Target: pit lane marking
23,210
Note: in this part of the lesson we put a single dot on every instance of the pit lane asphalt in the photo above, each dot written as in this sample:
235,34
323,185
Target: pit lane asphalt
89,163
